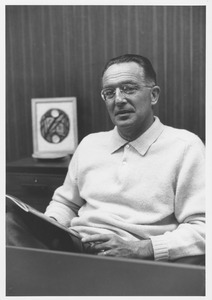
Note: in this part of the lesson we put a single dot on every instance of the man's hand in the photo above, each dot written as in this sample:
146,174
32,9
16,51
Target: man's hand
111,245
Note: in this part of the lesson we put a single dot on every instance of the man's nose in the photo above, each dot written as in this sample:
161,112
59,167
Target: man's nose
119,97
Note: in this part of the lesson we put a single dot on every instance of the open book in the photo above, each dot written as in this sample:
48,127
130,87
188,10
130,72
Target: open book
47,229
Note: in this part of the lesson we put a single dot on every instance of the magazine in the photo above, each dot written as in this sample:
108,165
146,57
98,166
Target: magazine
47,228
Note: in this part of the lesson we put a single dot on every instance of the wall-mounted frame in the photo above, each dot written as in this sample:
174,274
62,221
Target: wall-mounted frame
54,127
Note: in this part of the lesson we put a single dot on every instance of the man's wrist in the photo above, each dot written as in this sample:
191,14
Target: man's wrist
145,249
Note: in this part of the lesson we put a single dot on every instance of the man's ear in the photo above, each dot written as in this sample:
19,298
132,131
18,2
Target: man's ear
155,93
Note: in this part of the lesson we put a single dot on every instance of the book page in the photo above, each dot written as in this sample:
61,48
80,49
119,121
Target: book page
39,214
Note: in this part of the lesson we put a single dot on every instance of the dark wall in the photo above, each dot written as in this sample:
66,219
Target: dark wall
59,51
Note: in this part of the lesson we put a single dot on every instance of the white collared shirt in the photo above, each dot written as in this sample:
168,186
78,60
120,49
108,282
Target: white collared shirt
152,187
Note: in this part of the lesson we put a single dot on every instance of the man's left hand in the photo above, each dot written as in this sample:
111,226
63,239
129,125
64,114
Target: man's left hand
112,245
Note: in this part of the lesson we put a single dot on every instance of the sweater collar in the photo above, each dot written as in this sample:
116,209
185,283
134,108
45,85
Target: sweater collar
143,142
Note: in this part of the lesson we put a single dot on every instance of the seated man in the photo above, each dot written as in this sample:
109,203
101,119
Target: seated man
138,190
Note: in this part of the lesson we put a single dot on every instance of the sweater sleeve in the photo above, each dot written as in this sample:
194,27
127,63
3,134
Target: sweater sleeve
188,239
66,200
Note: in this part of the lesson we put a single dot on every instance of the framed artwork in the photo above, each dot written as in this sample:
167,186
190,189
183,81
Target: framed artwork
54,127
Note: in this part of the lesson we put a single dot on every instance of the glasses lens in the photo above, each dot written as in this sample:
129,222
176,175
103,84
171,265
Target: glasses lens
129,88
108,93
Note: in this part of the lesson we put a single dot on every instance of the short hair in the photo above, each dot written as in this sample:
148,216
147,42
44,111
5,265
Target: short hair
144,62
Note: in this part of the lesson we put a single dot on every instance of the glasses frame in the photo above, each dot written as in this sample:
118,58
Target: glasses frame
122,92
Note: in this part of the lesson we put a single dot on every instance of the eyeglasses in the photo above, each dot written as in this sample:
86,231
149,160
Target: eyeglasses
125,89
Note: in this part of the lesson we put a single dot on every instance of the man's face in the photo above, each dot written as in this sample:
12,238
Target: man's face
130,111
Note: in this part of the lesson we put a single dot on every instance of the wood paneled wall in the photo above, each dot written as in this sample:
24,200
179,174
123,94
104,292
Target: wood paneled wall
59,51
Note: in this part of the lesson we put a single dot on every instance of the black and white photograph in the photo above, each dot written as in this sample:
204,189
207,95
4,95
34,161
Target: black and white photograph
106,146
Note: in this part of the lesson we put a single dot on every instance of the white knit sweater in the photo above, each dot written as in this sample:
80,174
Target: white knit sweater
152,188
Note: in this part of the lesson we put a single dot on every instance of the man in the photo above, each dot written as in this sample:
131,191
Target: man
137,190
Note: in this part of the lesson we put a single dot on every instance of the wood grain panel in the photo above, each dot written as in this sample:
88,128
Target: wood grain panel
59,51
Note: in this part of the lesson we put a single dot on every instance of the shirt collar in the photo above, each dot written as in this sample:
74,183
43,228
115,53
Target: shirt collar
143,142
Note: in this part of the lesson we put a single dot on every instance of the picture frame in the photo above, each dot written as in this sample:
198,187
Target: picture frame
54,127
